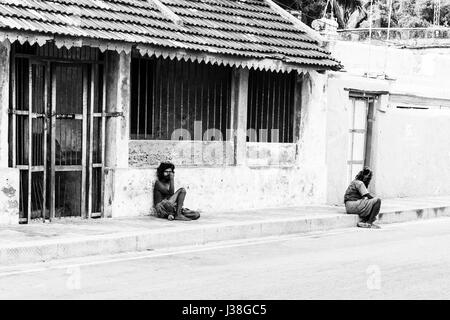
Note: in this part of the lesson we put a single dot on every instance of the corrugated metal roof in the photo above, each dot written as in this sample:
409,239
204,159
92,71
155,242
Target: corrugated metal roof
239,28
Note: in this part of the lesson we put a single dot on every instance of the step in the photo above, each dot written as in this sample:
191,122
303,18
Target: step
194,234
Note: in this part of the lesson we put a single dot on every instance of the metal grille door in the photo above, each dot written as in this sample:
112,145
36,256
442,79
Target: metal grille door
68,139
57,138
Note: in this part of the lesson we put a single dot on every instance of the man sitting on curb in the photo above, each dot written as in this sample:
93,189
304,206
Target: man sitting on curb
169,205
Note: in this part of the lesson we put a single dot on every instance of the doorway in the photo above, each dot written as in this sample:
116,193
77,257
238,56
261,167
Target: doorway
57,137
360,123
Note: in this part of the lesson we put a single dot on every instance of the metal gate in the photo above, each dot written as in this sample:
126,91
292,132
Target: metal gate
57,137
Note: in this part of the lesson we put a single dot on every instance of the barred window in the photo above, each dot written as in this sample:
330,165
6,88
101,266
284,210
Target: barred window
270,115
167,95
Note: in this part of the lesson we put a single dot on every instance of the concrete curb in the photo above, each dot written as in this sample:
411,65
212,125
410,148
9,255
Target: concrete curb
195,235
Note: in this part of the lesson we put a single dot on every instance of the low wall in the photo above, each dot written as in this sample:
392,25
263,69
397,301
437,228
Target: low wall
268,154
145,153
270,178
215,189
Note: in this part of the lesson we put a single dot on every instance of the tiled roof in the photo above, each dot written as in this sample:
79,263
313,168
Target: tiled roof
241,28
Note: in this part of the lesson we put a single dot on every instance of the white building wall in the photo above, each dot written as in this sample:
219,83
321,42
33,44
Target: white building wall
411,148
287,175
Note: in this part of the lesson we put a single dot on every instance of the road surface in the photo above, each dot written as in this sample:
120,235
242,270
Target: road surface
401,261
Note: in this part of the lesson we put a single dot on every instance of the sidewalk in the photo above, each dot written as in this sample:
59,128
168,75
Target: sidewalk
74,237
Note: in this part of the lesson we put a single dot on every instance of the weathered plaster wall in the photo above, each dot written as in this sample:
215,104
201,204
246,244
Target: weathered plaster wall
9,196
5,50
420,72
298,179
117,101
337,128
271,154
216,189
410,148
9,178
413,153
145,153
312,143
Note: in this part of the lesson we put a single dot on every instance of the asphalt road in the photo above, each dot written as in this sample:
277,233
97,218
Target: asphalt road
401,261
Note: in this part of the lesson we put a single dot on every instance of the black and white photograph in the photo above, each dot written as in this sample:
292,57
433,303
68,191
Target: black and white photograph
224,156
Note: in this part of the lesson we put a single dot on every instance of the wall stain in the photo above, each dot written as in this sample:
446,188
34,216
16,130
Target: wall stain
419,213
9,191
13,204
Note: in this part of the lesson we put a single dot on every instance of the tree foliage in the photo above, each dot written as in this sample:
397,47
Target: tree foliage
356,13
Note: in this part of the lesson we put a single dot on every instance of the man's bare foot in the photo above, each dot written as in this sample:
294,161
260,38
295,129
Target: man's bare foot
181,217
170,217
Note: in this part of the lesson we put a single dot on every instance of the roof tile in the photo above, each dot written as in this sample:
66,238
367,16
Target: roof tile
247,28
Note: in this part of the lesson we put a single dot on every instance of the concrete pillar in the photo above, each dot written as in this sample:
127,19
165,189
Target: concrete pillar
380,106
118,101
9,177
239,100
297,107
5,50
117,127
311,144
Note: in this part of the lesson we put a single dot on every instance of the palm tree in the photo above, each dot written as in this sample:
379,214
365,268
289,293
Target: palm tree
350,13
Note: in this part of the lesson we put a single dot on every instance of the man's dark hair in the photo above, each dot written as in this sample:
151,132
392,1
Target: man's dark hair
163,167
365,176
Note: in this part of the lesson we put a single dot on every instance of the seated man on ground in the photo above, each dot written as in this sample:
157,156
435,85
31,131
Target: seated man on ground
169,204
359,201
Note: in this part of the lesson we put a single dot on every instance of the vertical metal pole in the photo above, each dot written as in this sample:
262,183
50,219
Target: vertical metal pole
181,94
103,154
154,68
273,105
84,140
14,108
30,137
352,126
168,98
160,82
91,137
46,108
146,99
207,78
279,124
221,109
52,142
285,98
255,86
174,83
139,98
188,89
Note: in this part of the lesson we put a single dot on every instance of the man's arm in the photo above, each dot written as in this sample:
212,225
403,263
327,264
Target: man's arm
157,196
172,184
363,191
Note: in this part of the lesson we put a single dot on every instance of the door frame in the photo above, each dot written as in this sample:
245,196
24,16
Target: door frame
370,101
53,119
92,90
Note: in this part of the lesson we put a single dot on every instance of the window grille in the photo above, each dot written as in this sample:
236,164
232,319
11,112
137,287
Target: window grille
168,95
270,115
